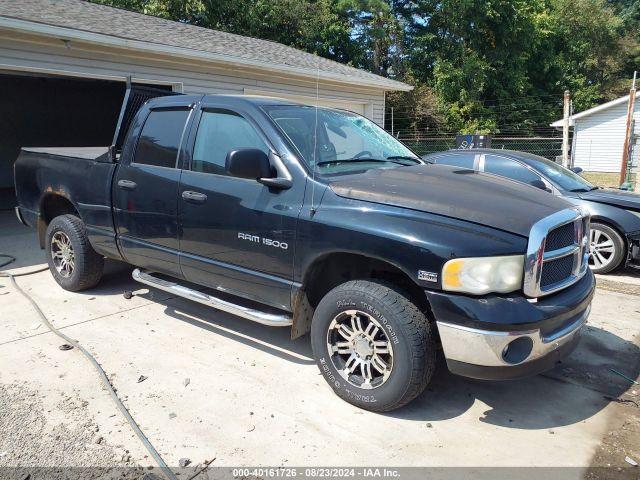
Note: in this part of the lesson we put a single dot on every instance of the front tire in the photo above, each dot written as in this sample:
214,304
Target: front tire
73,262
607,248
373,346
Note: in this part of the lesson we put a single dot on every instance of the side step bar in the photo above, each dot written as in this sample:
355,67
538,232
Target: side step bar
270,319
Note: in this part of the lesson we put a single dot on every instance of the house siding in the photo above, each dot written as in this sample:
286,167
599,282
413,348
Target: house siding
23,51
599,139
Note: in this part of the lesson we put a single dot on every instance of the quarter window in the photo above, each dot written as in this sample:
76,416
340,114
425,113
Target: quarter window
506,167
160,138
220,132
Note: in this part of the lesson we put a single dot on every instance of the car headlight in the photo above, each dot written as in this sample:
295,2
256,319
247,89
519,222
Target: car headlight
637,214
483,274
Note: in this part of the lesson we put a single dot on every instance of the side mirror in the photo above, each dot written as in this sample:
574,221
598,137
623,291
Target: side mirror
577,170
540,184
248,163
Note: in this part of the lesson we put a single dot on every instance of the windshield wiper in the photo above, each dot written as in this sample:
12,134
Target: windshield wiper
404,157
581,190
392,159
355,160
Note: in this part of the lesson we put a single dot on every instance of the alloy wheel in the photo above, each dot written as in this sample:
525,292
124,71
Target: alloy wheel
360,349
62,254
601,249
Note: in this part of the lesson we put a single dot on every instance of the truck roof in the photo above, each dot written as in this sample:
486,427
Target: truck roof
257,100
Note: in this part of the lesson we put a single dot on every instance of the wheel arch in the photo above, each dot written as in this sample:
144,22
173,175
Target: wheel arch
626,247
52,205
331,269
611,224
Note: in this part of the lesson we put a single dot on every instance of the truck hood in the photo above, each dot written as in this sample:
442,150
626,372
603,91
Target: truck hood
616,198
458,193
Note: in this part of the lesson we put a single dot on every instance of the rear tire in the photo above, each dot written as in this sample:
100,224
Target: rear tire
607,249
73,262
373,346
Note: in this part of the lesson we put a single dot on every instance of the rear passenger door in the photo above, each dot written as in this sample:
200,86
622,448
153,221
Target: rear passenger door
145,191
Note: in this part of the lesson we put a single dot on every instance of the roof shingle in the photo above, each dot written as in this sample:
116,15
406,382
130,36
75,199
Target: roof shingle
100,19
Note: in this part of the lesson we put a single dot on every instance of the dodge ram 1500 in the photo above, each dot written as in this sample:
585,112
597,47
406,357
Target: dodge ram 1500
316,219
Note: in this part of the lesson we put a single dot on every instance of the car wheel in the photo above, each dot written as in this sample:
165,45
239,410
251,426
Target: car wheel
606,250
73,262
374,346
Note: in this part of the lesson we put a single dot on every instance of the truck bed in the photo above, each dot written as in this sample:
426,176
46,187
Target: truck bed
97,154
79,176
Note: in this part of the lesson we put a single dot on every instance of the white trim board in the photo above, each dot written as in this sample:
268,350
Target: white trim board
175,86
591,111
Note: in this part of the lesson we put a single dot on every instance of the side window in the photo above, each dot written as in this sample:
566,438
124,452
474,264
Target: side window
463,160
160,138
220,132
509,168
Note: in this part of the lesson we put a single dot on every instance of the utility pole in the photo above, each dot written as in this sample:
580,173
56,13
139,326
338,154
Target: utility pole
392,121
565,129
625,177
637,187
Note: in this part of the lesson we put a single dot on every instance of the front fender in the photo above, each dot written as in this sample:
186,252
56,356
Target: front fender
619,218
410,240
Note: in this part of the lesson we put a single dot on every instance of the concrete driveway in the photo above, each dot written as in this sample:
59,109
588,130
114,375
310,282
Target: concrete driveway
254,397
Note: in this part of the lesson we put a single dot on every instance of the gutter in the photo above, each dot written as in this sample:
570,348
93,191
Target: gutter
65,33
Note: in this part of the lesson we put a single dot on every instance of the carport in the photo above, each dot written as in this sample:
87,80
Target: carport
46,110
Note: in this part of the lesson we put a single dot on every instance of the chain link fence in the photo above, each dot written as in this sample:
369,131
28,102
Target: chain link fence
548,147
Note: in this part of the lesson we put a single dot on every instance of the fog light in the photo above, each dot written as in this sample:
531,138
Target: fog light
517,351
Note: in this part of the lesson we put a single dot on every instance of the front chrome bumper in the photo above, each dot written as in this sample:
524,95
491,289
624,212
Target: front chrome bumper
491,348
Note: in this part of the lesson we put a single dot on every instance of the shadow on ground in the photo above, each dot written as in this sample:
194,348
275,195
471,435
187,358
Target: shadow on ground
575,390
578,388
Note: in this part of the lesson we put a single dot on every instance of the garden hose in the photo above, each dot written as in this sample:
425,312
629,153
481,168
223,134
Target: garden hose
101,373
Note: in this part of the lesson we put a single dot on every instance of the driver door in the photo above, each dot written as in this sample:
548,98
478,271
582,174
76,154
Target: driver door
236,235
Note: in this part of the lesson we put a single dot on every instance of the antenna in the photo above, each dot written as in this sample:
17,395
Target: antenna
315,142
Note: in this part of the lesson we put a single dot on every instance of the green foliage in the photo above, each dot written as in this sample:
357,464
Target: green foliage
519,55
477,65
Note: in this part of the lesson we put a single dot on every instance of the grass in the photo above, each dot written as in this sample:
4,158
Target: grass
603,179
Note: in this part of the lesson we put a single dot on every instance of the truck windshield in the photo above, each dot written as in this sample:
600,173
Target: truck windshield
343,141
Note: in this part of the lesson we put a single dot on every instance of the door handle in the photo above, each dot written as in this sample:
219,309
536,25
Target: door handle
194,197
127,184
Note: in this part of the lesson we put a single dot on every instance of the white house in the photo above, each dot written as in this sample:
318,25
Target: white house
598,135
64,64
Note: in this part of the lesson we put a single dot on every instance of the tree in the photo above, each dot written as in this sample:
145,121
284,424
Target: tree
586,41
377,34
478,65
311,25
474,51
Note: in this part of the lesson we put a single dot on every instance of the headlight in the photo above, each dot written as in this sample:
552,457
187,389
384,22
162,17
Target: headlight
483,274
637,214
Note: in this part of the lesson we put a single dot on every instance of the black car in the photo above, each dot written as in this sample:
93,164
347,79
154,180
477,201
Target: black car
615,214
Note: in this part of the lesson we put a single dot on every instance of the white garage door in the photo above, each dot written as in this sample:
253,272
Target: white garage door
355,107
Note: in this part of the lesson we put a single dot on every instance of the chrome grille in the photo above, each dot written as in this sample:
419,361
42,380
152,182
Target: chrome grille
557,254
556,271
560,237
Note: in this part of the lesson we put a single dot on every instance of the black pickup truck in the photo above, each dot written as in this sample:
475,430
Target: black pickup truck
318,220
